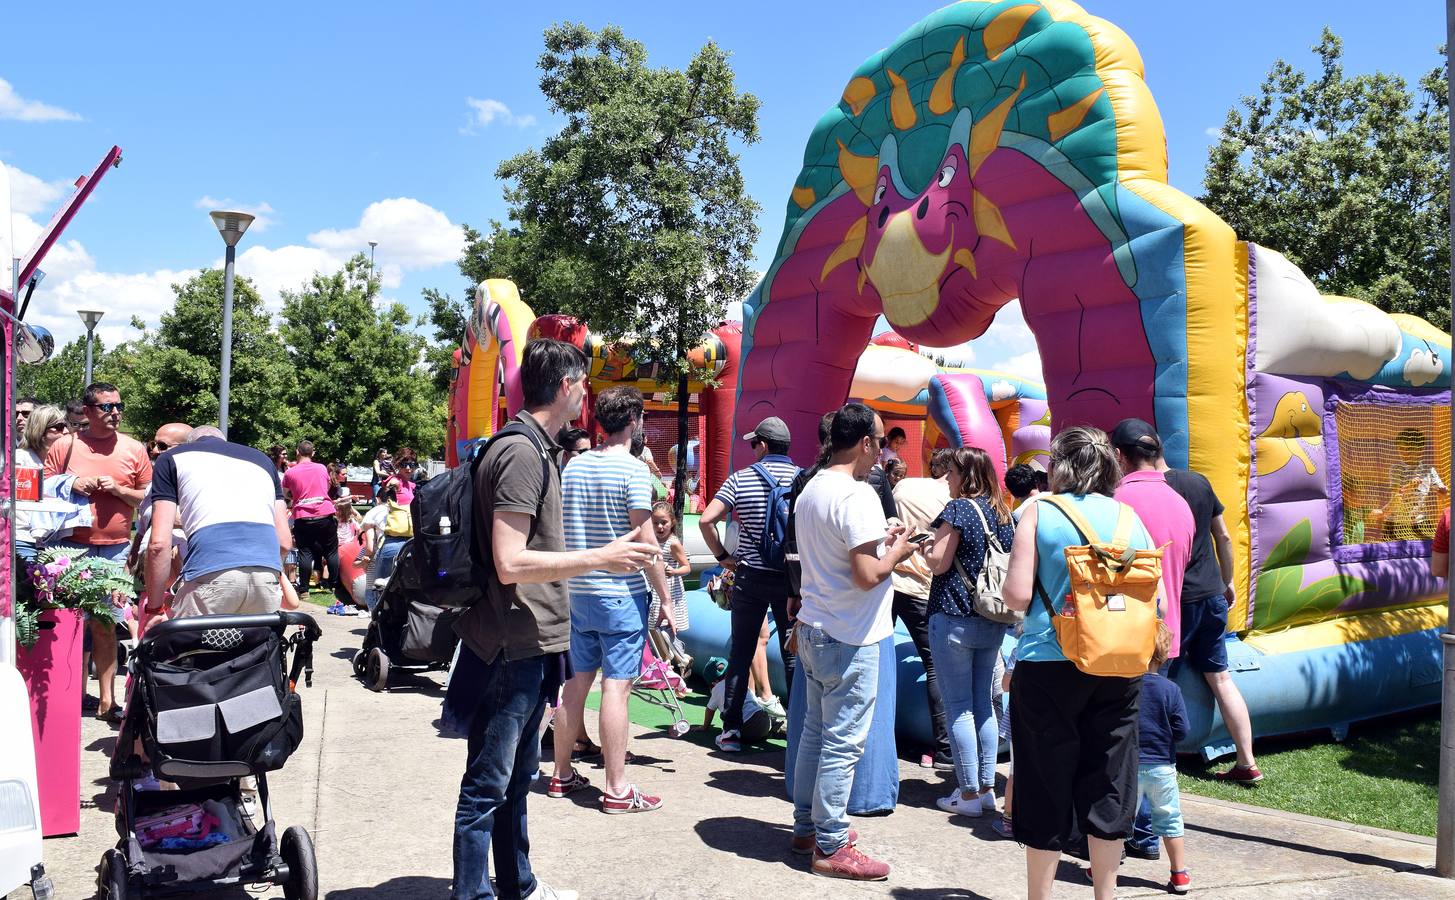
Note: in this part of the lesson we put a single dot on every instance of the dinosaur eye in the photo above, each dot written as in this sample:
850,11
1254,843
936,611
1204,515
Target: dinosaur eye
946,174
879,193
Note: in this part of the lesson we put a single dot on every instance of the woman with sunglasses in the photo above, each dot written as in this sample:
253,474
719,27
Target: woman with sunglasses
45,426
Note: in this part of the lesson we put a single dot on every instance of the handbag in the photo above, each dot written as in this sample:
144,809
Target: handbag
1107,625
987,592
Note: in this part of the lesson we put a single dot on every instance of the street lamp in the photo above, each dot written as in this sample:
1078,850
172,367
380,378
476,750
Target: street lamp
89,317
231,226
372,245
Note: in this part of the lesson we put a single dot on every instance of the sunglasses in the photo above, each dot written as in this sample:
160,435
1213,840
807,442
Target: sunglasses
108,407
59,426
78,426
161,445
22,412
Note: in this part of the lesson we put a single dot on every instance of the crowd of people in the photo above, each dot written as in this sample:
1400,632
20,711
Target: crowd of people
585,567
206,526
581,577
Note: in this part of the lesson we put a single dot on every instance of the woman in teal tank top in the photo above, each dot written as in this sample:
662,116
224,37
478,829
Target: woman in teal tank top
1074,736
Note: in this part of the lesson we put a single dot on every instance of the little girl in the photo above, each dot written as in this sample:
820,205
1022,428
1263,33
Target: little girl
675,563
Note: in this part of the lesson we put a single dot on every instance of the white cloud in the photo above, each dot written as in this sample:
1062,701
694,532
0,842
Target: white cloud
484,113
1216,133
286,268
410,234
1423,367
14,106
262,213
31,196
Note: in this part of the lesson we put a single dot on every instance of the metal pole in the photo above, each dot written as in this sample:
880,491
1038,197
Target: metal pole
7,623
227,340
90,333
1445,826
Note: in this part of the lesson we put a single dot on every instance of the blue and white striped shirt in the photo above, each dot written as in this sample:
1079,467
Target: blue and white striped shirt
598,492
747,492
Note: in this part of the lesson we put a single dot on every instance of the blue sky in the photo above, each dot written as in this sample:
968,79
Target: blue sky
344,123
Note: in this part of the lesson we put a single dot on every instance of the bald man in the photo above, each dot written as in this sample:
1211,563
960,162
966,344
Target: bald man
167,437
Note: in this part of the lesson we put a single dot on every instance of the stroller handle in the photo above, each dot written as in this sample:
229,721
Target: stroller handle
278,620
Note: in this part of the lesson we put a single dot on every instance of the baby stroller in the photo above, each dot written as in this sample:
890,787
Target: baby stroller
658,684
405,628
214,702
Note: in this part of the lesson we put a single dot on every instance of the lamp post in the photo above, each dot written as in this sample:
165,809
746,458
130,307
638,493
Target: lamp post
231,226
89,317
372,245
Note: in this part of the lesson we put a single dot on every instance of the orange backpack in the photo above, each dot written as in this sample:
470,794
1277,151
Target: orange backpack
1108,623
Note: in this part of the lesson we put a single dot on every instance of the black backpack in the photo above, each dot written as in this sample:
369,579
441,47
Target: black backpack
449,568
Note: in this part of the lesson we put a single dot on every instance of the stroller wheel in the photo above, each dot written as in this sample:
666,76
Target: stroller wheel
679,728
376,672
359,664
111,881
296,849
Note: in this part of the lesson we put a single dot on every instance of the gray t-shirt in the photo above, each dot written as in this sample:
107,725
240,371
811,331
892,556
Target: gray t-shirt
519,620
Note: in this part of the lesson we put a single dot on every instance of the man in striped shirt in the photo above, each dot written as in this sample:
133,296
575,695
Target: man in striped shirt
607,493
756,588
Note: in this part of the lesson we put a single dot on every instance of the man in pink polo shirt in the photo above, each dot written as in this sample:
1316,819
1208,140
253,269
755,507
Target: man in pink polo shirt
1162,510
314,532
1170,523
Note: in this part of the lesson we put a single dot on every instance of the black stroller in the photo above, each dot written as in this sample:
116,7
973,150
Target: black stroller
214,702
406,629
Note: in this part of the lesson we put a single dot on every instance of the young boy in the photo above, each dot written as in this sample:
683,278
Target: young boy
757,723
1163,723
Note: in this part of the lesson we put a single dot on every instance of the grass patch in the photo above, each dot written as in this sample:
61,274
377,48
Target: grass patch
1385,775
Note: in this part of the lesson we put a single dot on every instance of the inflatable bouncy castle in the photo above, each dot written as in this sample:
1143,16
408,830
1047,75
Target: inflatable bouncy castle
1002,150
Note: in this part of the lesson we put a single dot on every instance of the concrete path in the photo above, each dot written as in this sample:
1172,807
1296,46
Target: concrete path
375,783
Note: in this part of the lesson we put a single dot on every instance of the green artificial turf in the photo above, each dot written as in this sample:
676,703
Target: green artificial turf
1385,775
648,714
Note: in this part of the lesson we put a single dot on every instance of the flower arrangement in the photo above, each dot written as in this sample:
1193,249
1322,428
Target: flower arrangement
60,578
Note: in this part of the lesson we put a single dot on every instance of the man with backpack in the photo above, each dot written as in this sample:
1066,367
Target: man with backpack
759,494
514,638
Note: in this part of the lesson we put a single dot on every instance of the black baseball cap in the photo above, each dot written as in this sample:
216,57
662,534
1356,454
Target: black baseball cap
1135,433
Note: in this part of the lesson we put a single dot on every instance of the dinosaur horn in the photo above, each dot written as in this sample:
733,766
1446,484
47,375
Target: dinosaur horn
942,96
985,136
859,173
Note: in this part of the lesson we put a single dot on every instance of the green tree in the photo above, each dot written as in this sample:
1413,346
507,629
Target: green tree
172,374
1347,176
447,317
362,378
63,376
633,217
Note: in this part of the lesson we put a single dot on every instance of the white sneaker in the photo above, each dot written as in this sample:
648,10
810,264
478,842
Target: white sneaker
987,801
958,805
773,707
544,891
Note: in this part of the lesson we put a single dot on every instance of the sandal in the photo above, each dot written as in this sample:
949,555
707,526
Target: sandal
112,715
588,751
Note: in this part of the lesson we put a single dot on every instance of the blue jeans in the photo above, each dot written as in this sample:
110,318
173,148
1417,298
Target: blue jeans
841,682
965,650
503,755
382,567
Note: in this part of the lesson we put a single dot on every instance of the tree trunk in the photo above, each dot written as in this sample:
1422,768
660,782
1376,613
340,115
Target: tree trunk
679,480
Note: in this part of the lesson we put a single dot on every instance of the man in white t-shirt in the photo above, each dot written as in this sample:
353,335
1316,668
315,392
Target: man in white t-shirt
848,551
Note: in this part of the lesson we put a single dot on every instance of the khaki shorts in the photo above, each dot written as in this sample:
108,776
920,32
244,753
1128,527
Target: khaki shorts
250,590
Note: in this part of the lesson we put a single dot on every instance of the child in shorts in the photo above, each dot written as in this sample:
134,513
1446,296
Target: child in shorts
1163,724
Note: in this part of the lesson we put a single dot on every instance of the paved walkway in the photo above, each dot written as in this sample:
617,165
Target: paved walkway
375,783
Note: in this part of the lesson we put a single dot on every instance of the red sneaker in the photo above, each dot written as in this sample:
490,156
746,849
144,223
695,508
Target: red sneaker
1181,882
805,845
633,801
849,863
559,787
1241,775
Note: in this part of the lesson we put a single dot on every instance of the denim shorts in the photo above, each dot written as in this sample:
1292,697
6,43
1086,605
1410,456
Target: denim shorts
608,633
1158,784
1204,627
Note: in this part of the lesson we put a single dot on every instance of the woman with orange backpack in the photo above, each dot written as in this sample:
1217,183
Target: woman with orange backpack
1091,617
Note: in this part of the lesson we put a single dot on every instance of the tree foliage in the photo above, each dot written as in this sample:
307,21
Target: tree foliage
361,379
173,374
447,317
1348,177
